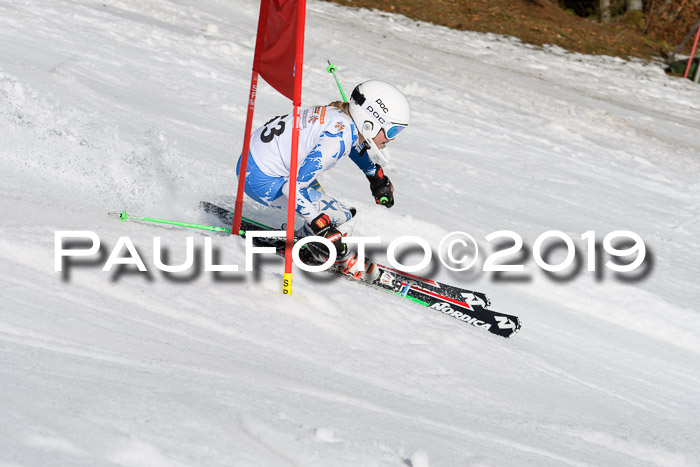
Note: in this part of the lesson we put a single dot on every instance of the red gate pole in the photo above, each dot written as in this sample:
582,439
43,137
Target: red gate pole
692,54
238,210
292,199
259,39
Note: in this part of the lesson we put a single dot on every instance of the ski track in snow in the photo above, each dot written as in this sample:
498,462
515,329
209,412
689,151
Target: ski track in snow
117,104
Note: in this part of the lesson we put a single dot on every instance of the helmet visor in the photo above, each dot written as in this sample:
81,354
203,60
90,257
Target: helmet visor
393,131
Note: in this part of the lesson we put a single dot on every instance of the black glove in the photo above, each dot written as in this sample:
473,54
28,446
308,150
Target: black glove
382,189
322,227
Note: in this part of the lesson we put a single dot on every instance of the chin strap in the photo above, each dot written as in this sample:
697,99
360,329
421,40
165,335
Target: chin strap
378,156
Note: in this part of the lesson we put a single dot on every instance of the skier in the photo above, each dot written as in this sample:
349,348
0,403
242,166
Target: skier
376,113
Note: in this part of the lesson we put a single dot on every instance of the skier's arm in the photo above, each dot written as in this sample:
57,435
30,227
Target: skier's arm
359,156
382,189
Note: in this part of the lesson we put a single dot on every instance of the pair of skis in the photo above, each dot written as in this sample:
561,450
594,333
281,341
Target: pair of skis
465,305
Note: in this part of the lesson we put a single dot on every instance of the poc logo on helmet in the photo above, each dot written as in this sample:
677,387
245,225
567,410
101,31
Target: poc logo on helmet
381,104
376,114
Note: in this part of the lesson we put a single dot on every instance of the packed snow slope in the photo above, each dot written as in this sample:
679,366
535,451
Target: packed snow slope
140,105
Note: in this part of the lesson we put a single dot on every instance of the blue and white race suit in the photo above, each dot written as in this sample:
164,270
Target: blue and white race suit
326,135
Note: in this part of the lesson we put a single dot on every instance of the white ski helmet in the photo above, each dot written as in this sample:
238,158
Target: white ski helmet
376,105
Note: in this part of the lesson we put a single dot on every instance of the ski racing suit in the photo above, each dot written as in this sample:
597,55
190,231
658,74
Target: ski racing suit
326,135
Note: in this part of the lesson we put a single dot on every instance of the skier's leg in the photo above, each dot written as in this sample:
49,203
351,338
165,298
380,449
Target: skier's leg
261,187
340,215
336,211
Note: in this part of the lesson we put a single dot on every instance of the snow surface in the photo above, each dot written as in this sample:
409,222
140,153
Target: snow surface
140,105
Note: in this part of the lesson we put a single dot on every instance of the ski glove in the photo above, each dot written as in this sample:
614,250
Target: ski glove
382,189
322,227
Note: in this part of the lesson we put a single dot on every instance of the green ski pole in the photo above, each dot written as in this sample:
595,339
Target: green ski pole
331,69
123,216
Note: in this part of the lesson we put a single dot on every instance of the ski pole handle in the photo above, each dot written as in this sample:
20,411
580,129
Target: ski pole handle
332,69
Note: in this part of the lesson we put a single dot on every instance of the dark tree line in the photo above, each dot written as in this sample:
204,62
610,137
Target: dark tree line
666,20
